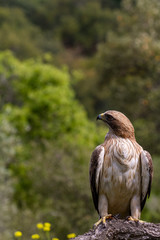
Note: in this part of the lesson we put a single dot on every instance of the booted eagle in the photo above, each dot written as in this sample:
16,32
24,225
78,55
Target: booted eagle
120,170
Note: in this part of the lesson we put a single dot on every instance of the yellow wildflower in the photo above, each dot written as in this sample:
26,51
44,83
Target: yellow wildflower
55,238
47,224
46,229
40,225
71,235
35,236
18,234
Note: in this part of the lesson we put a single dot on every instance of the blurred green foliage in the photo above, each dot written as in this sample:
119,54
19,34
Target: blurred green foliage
13,28
50,166
70,61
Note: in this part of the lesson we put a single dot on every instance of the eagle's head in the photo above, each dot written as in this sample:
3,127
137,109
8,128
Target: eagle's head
118,123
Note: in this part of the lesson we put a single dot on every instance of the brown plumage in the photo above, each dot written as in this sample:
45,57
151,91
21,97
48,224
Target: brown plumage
120,170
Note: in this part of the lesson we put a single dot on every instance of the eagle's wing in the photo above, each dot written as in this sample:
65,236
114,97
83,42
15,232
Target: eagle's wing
96,164
146,176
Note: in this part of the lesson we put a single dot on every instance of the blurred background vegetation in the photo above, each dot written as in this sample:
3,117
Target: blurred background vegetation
62,63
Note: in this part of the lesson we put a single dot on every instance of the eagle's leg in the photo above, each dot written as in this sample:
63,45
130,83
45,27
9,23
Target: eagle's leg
135,209
103,210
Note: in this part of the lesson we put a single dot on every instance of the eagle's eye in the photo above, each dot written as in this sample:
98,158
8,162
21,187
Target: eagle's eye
109,117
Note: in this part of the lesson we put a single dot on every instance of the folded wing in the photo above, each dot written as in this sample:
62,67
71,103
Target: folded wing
146,176
96,165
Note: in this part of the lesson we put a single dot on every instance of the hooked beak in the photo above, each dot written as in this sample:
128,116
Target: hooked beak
101,117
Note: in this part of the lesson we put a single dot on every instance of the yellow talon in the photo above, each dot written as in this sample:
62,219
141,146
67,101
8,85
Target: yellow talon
109,216
130,218
103,220
97,223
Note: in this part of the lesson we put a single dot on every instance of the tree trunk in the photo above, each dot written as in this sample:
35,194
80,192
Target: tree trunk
122,229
